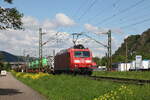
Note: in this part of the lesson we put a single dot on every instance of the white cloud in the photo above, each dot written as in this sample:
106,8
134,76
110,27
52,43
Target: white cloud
98,30
30,22
94,29
16,40
60,20
63,20
47,24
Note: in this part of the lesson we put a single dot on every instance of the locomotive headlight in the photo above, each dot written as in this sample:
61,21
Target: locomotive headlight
88,61
76,61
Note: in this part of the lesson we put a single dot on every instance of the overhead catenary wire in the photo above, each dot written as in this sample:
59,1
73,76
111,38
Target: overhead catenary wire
96,41
83,33
88,9
115,3
78,10
120,12
134,18
128,18
102,10
74,15
136,23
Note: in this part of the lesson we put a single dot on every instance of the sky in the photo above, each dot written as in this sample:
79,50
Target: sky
60,18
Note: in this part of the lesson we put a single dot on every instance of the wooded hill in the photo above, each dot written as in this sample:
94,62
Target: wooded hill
136,45
7,57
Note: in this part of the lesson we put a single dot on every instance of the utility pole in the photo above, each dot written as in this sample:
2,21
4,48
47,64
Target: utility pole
54,53
107,66
53,58
126,60
24,56
109,51
40,48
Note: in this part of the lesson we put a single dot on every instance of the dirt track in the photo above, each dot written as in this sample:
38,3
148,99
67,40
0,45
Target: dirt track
12,89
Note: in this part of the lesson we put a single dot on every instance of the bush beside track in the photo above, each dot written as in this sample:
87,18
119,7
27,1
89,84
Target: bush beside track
143,75
67,87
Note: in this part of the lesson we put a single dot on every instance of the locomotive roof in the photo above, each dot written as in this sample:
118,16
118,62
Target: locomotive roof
81,47
62,51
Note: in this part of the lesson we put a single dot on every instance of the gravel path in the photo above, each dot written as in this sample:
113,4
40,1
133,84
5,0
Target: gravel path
12,89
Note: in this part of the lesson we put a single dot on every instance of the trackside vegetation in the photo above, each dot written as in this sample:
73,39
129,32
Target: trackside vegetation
68,87
145,75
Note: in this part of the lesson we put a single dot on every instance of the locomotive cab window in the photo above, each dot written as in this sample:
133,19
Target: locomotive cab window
82,54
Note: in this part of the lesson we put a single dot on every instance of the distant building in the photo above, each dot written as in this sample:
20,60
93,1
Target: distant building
16,64
121,66
124,66
145,65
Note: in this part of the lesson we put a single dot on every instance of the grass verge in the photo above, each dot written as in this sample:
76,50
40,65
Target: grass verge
67,87
132,75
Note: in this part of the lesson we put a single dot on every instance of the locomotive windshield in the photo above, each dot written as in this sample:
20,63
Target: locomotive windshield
82,54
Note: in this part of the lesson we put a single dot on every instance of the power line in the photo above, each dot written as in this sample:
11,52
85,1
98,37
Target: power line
78,10
120,12
114,4
88,9
74,15
134,18
130,25
102,10
95,40
127,18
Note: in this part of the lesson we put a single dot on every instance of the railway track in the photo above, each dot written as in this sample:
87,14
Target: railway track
121,80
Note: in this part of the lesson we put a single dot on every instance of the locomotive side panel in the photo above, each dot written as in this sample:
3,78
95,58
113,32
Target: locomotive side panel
62,62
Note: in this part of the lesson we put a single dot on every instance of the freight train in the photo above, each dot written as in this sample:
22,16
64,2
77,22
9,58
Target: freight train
74,60
34,65
77,60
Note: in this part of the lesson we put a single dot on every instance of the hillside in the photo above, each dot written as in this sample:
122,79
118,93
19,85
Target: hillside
137,45
7,57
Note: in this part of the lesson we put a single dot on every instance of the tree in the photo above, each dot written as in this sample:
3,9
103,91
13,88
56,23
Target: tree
7,66
1,63
96,60
100,61
10,18
9,1
103,61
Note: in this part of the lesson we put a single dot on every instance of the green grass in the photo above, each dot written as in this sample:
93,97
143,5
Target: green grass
64,87
134,74
67,87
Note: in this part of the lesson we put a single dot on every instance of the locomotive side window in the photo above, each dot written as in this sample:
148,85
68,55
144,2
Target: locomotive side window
82,54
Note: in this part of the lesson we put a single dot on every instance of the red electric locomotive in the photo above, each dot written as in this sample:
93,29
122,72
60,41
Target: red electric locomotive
74,60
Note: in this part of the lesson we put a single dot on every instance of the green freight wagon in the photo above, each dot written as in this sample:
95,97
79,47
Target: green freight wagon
44,62
37,63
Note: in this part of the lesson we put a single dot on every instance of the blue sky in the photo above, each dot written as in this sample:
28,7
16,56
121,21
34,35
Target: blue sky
94,12
75,9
